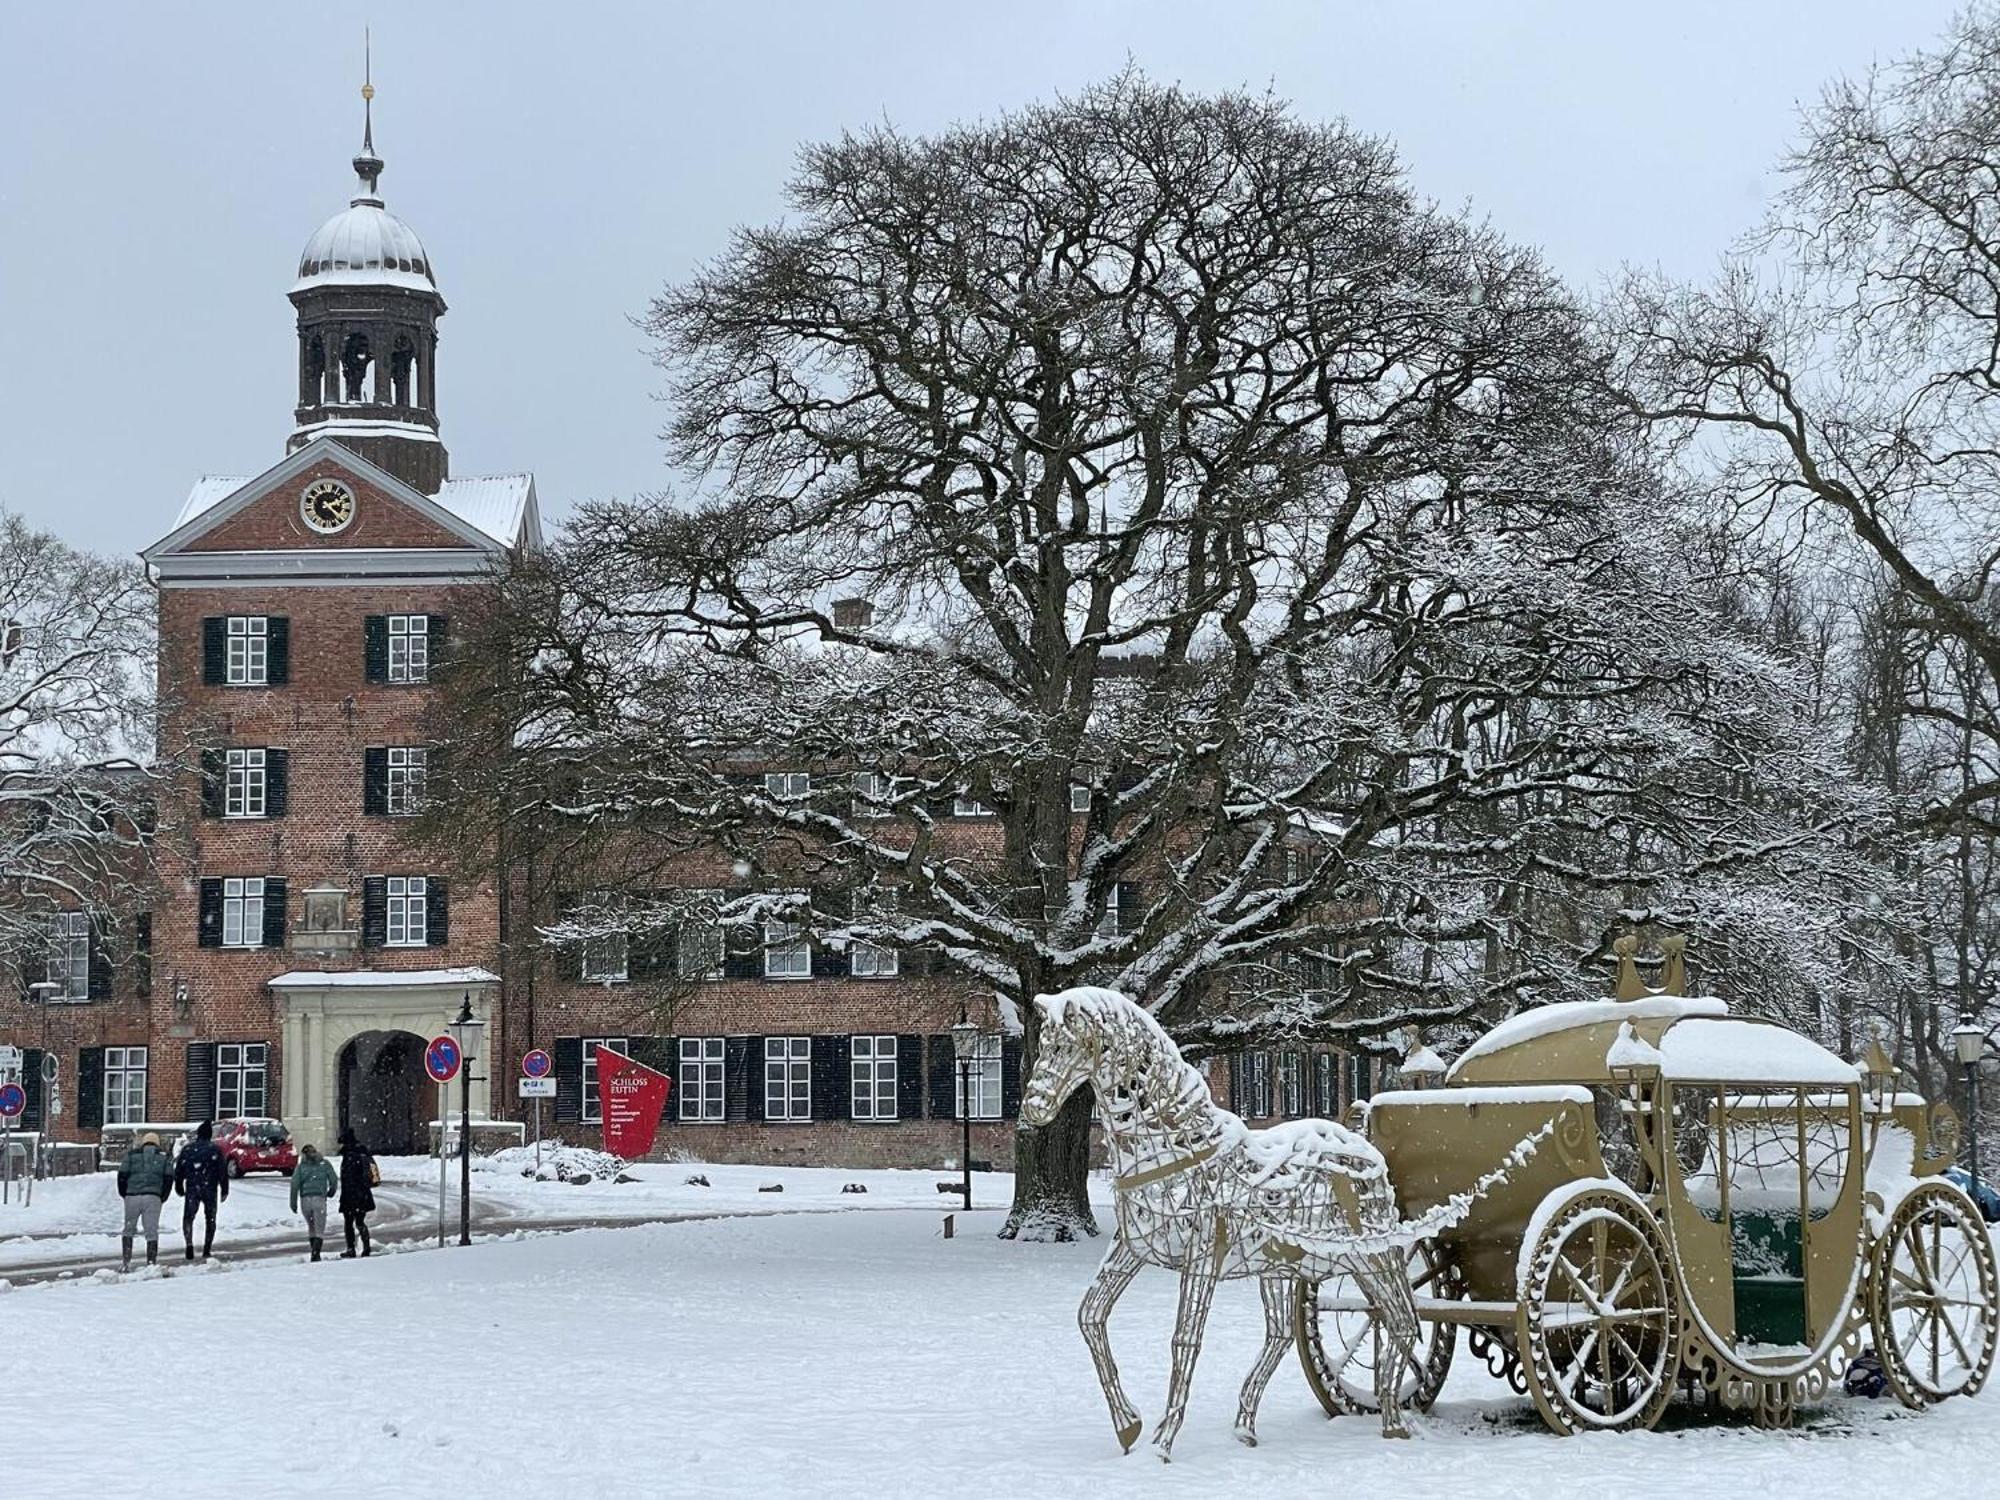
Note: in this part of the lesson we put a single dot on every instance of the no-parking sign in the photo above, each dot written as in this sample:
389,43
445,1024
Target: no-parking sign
13,1100
441,1059
537,1064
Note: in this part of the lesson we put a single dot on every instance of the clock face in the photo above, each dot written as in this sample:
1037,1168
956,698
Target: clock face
326,505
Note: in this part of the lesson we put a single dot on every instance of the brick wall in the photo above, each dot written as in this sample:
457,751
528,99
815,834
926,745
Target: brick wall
273,523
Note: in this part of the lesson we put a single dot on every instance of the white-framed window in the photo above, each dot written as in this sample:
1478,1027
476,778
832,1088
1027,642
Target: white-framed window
248,662
963,806
984,1075
407,765
1291,1083
124,1085
407,911
605,957
240,1073
872,961
873,791
788,1078
873,1059
243,785
1107,925
593,1101
787,783
1326,1092
1079,798
69,955
787,951
409,648
701,1079
698,939
243,912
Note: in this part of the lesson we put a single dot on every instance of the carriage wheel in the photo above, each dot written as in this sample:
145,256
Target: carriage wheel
1598,1314
1338,1339
1933,1297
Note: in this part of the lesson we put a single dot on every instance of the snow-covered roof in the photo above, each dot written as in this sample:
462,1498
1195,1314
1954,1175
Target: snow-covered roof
497,504
1739,1051
319,979
365,245
1547,1020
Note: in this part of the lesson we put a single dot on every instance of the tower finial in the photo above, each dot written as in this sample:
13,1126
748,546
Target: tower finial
368,166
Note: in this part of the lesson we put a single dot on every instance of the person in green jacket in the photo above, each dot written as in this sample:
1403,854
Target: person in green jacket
145,1178
313,1180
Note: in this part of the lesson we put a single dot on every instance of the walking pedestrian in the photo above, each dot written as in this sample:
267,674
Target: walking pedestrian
200,1175
144,1179
358,1177
313,1182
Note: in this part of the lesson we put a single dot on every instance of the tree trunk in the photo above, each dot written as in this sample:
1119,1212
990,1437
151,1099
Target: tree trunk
1051,1175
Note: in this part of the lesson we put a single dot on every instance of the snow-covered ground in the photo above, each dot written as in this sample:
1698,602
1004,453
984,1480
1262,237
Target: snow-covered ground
806,1354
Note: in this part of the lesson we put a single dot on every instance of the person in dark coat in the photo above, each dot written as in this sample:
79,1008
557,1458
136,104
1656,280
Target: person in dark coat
201,1175
357,1191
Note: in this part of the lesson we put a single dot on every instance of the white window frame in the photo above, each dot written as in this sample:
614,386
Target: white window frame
242,1079
872,1074
1107,925
412,662
408,766
408,912
787,950
1079,798
69,956
788,1078
704,1100
243,912
1291,1083
873,960
964,806
249,658
698,942
871,790
606,958
124,1085
591,1110
985,1073
244,785
788,785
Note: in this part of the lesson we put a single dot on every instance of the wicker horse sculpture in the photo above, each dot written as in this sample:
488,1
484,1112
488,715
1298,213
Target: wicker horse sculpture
1199,1192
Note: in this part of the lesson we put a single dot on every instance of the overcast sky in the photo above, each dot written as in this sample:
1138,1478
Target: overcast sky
162,165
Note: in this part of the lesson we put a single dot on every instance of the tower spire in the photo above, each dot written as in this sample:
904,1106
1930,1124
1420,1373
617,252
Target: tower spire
368,166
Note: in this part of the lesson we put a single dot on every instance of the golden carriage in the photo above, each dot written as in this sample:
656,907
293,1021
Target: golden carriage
1675,1198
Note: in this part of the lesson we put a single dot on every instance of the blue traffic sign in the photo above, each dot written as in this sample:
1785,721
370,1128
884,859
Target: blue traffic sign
13,1100
441,1059
537,1064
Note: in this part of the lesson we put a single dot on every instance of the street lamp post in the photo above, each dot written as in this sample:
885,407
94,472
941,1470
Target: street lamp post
964,1043
466,1032
43,991
1969,1042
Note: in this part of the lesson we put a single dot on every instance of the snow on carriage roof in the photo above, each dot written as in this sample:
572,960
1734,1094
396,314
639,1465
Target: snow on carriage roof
1567,1015
1737,1050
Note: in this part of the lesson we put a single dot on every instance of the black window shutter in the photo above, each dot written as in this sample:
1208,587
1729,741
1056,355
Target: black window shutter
274,914
208,934
437,629
1010,1076
743,953
375,647
660,1053
909,1078
944,1079
753,1077
277,650
375,912
1128,906
437,913
214,651
90,1088
832,1086
277,782
375,780
31,1085
1237,1104
100,962
568,1053
736,1080
649,952
200,1081
211,783
142,955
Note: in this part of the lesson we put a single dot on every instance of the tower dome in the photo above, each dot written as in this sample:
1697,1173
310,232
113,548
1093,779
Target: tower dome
368,307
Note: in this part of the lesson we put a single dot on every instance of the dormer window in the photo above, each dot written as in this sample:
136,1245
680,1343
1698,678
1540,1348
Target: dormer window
853,614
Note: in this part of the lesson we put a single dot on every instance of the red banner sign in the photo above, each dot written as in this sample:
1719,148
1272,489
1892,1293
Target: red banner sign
633,1096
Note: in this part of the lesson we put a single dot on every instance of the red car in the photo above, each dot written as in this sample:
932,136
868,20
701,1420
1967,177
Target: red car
256,1146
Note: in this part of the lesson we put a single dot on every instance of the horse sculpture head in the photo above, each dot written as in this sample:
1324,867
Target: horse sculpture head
1075,1028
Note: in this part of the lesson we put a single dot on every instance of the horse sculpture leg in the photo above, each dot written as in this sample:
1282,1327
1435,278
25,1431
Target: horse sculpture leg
1280,1292
1093,1317
1199,1273
1384,1278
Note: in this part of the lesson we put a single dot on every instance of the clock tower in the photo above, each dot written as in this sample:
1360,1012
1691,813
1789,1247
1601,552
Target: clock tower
368,308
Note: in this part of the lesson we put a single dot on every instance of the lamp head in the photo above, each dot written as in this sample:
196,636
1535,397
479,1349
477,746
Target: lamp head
1969,1042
